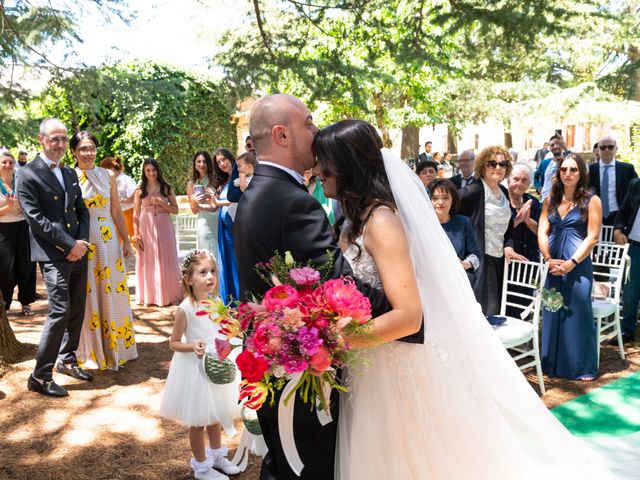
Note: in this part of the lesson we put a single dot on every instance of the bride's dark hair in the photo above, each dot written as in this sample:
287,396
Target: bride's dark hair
350,151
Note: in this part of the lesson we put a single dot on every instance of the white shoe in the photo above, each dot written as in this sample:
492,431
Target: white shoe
223,463
203,471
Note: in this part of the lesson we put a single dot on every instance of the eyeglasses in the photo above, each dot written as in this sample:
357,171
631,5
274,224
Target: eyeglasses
569,169
56,140
606,147
87,150
493,164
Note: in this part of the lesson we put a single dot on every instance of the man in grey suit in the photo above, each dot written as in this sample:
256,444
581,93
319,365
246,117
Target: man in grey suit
51,200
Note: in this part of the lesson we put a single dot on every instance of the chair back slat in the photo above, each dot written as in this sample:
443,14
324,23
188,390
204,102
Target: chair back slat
521,284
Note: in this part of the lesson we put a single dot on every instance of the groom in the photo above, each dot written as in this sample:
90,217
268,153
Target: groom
277,213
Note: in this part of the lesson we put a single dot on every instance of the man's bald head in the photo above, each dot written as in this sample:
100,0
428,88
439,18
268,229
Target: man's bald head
282,131
268,112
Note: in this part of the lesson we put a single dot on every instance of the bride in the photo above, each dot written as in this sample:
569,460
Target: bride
455,407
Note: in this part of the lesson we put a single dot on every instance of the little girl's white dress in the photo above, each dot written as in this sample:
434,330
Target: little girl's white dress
189,396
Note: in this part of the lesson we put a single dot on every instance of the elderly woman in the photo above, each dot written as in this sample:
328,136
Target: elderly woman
486,202
15,256
525,209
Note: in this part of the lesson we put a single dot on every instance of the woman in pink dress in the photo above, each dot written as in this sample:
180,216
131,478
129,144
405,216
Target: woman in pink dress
158,279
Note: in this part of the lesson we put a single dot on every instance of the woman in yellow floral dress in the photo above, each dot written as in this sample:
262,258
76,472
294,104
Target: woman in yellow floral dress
107,338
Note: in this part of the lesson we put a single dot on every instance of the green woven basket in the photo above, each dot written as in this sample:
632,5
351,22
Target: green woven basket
218,372
250,420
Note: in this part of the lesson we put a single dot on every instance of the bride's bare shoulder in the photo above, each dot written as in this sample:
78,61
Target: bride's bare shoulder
384,227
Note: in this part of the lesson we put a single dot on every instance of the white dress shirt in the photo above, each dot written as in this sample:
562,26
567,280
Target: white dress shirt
610,189
548,179
299,178
56,171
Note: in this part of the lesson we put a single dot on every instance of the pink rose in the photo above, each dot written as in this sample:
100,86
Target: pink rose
280,297
304,276
266,338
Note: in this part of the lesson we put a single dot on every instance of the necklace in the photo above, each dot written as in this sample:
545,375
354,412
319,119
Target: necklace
571,203
4,186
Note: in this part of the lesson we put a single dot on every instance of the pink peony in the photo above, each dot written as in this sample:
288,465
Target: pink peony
343,298
305,276
223,348
266,338
280,297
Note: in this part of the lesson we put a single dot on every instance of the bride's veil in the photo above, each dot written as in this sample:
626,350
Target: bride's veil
486,409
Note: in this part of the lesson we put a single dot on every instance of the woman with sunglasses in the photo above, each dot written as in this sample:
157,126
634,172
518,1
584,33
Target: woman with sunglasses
568,230
487,204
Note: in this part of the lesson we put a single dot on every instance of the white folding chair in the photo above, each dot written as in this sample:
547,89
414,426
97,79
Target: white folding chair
606,234
186,237
520,290
609,262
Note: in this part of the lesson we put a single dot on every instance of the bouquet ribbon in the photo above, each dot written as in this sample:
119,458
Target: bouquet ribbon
285,421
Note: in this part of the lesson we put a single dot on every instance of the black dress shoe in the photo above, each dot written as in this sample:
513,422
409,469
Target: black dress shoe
46,387
626,338
73,370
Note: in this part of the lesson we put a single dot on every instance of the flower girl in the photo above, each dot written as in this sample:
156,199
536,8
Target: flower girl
189,396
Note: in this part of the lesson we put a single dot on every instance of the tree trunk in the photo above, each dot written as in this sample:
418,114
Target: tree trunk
452,143
586,144
634,57
10,347
410,142
508,141
379,110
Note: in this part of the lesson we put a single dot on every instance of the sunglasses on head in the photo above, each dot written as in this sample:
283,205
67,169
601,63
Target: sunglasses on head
606,147
493,164
569,169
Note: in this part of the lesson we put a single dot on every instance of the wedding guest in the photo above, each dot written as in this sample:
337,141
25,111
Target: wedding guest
314,186
542,178
486,202
107,339
446,200
202,179
525,210
426,155
466,164
157,257
229,288
428,172
126,190
627,230
234,193
51,200
596,153
445,169
569,228
22,159
15,255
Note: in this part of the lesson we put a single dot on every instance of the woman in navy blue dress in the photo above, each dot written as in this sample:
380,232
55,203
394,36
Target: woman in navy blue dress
569,227
445,200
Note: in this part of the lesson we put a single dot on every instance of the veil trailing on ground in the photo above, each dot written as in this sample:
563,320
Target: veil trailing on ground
491,423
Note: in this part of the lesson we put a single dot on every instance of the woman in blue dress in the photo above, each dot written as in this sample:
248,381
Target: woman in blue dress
228,269
569,227
446,201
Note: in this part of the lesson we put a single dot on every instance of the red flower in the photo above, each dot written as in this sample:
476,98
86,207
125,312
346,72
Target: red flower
320,361
252,368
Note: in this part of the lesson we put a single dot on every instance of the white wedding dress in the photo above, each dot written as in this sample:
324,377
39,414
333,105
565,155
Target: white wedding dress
455,407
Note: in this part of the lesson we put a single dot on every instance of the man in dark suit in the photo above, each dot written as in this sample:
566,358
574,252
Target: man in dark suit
277,213
51,200
610,179
466,164
627,229
426,155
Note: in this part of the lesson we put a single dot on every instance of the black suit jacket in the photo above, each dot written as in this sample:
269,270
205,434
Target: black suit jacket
625,172
629,209
56,218
457,180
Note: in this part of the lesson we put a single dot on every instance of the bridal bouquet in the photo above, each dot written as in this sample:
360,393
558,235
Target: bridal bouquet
298,332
